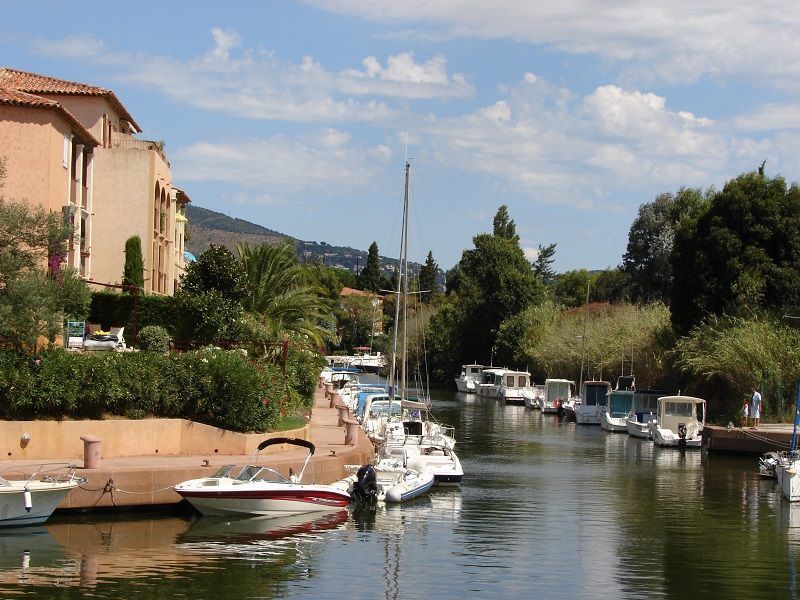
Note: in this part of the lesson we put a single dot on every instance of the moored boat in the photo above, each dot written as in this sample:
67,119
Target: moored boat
592,402
556,393
30,499
469,377
643,412
680,422
260,490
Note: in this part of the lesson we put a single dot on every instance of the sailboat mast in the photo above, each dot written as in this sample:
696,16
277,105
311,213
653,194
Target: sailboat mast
402,288
404,279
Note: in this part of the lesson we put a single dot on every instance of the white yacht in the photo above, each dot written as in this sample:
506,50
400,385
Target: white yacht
679,422
470,376
615,415
592,402
491,383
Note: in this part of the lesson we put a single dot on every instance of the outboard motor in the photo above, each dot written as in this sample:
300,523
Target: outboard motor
365,488
682,435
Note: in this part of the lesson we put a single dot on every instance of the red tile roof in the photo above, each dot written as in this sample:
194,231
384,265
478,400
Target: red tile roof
33,83
12,97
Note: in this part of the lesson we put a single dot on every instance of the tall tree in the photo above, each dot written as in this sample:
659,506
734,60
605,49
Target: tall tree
740,255
428,278
647,260
133,274
570,288
503,226
542,266
497,282
370,277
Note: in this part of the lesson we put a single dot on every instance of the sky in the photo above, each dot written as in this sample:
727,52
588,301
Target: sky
300,116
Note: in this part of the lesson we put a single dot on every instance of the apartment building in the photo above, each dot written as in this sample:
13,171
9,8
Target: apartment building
72,147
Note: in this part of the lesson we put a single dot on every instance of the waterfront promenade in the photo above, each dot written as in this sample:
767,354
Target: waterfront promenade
148,480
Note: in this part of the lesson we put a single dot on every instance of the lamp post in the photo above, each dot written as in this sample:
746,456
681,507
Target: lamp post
372,335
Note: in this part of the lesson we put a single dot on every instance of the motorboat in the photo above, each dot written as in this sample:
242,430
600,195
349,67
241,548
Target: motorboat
491,383
260,490
469,377
516,388
618,405
643,413
592,402
679,422
367,360
421,442
787,469
556,393
30,499
768,463
536,398
388,480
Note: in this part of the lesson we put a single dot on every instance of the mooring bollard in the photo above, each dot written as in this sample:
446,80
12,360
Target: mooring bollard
91,451
351,432
336,398
343,413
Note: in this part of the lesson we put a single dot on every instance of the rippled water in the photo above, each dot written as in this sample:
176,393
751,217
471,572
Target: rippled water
547,509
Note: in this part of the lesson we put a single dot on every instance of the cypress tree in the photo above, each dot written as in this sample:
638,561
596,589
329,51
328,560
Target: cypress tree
133,274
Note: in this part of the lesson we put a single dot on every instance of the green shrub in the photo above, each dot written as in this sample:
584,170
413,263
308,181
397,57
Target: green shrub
153,338
217,387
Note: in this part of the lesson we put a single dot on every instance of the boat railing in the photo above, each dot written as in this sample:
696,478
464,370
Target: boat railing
46,472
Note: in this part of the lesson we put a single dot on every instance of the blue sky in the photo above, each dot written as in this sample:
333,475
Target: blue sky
296,115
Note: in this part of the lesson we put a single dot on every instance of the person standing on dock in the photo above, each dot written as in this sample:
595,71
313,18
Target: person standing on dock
755,408
746,412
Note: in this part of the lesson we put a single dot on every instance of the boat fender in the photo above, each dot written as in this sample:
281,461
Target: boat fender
28,500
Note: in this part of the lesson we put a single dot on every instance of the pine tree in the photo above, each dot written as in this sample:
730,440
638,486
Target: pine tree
428,276
370,276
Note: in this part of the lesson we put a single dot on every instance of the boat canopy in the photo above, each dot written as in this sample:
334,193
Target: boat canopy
284,440
619,403
594,393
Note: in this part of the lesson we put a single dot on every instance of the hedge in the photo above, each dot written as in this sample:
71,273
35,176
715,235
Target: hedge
111,309
221,388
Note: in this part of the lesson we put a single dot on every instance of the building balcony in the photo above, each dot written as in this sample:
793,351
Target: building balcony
133,144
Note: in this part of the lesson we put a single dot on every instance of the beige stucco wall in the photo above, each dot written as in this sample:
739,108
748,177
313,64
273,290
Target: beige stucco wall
61,440
31,145
89,111
124,194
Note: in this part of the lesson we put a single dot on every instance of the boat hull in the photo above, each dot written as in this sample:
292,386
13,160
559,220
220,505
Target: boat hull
613,424
268,502
587,415
788,475
45,498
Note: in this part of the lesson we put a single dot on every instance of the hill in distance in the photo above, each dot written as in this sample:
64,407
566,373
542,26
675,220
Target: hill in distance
208,227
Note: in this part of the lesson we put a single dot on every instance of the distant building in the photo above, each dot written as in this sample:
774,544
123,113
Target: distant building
70,147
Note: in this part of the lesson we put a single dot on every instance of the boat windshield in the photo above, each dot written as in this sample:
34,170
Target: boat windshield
256,473
620,404
595,395
678,409
224,471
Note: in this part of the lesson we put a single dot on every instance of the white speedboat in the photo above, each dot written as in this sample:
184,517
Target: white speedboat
556,393
592,403
469,377
260,490
30,498
389,480
679,422
516,388
643,412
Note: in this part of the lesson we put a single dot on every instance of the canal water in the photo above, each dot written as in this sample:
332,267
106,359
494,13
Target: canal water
546,510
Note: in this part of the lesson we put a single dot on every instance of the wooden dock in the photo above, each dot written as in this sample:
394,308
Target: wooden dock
747,440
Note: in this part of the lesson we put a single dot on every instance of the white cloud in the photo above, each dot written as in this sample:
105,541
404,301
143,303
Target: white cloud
675,41
324,163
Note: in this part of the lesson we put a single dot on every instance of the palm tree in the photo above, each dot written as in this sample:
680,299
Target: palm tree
279,296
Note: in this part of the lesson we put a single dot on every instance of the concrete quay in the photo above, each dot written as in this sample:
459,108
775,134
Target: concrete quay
747,440
137,481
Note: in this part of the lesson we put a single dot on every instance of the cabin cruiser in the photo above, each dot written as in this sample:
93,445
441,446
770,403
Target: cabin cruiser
516,388
260,490
615,415
556,393
470,376
643,413
30,499
491,383
592,402
679,422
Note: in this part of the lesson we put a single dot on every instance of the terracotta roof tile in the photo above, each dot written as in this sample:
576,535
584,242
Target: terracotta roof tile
34,83
12,97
